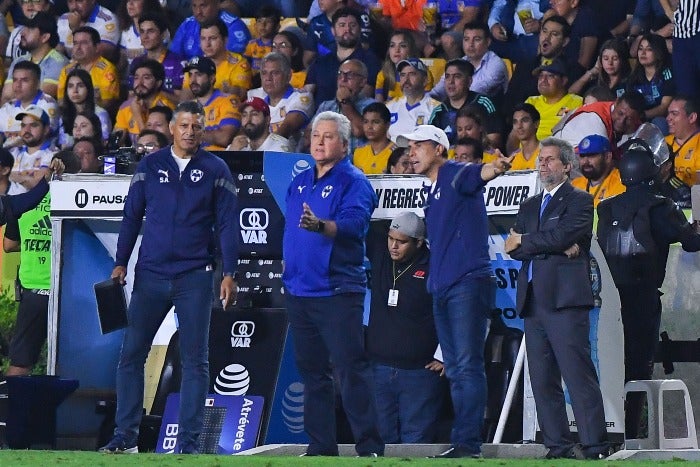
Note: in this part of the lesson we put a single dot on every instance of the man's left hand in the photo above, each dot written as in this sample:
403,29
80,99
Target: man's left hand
502,163
308,220
229,289
437,366
513,241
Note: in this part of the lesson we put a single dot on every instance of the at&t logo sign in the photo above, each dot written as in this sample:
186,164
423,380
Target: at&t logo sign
241,332
293,407
254,221
234,380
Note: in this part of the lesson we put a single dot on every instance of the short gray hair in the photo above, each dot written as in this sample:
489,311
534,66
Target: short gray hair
566,151
283,60
340,120
358,63
193,107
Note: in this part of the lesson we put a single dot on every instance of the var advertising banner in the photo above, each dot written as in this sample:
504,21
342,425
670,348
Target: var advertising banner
231,424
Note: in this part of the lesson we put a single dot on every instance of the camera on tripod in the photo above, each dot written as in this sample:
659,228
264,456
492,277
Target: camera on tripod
120,159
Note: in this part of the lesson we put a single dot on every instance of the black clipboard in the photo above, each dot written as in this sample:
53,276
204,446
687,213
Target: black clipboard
111,305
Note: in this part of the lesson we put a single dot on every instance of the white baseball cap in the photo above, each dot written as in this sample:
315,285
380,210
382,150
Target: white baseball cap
424,133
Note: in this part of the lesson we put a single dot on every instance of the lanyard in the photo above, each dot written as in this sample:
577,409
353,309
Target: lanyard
393,272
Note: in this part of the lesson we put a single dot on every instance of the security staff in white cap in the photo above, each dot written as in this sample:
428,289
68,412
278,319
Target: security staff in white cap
462,284
401,338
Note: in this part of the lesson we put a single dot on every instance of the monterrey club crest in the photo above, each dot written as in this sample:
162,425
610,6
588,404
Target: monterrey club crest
196,175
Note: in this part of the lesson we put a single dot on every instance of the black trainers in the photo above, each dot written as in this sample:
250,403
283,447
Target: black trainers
119,445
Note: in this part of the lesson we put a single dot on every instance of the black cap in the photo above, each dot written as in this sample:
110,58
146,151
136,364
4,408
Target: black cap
203,64
42,21
557,67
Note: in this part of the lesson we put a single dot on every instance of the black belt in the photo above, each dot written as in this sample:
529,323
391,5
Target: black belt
37,291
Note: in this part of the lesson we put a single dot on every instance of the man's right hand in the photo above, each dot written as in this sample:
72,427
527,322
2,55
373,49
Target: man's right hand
74,20
119,272
238,143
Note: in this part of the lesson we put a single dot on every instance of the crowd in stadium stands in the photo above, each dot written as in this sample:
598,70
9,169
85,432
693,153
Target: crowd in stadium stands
497,76
113,70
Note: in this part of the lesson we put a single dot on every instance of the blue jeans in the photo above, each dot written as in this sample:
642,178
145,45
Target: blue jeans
461,312
326,329
152,298
408,403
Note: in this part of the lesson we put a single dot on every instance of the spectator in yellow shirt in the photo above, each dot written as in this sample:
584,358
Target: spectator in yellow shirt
85,55
526,121
267,24
553,102
684,126
374,156
221,116
147,89
233,73
600,176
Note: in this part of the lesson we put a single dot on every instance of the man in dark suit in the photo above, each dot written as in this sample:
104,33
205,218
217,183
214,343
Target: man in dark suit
552,238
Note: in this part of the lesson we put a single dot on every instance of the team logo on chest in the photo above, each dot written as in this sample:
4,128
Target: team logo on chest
196,175
326,191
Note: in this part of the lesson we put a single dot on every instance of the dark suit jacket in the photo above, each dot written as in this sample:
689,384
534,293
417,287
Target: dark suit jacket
557,281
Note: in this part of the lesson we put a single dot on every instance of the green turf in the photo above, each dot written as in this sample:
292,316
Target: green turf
9,458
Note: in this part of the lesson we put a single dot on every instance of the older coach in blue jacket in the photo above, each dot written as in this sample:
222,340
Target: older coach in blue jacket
327,216
187,195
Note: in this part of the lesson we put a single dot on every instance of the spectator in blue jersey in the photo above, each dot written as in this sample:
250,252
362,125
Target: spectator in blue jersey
321,78
191,200
653,79
186,40
327,216
464,289
153,33
454,14
320,30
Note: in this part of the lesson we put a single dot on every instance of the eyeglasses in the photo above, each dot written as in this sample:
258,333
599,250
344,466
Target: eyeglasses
35,2
145,148
281,45
349,75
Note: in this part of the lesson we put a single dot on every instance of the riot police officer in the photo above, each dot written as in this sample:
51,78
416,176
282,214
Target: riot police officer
635,230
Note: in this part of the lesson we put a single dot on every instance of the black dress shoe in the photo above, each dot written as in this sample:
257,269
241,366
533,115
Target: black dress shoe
606,452
574,452
456,452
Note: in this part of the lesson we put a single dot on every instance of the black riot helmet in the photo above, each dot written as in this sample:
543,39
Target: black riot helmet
643,155
637,166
